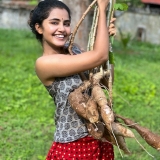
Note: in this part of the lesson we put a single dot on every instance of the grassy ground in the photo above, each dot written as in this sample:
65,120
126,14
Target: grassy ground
26,109
137,91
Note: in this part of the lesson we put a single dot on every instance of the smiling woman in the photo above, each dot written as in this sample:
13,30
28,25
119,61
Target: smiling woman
55,29
59,73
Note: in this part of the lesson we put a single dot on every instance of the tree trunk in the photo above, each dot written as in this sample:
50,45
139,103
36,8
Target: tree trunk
77,8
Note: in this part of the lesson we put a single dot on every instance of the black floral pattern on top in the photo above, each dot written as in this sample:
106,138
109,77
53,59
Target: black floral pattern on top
69,126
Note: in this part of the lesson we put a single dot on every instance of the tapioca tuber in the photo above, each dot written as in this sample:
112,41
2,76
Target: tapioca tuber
100,97
116,140
78,102
120,130
92,111
122,144
151,138
96,130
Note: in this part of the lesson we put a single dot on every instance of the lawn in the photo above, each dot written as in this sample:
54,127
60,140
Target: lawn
26,109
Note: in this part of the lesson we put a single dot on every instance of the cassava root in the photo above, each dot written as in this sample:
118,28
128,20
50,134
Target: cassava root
151,138
97,110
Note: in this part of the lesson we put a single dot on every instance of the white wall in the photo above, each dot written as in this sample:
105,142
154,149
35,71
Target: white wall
130,22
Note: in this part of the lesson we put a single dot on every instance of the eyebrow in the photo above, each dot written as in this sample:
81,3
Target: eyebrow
59,19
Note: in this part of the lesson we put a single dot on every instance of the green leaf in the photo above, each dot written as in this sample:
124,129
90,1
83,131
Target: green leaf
121,6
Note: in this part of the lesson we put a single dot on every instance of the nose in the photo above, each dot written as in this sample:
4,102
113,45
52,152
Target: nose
61,28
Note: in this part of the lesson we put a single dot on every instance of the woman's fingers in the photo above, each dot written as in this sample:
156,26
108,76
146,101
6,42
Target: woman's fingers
112,32
112,29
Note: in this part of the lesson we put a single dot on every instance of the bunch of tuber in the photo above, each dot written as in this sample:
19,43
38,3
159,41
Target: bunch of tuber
101,120
95,108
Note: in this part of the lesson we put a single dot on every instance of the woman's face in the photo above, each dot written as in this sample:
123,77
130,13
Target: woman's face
56,28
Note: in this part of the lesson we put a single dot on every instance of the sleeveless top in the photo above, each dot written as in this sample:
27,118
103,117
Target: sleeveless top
69,126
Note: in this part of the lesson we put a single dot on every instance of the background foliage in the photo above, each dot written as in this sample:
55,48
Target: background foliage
26,109
137,91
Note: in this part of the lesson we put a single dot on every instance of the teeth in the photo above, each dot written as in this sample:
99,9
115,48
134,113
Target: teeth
60,36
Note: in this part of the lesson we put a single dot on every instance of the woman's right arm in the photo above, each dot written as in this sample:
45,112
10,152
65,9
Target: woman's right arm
102,29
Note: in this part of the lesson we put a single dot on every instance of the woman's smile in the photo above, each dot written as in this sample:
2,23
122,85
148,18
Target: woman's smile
60,36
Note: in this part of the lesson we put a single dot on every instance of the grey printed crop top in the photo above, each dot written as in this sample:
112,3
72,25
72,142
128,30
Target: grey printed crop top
69,126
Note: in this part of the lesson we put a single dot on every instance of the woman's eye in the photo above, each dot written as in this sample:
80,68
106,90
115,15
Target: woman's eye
67,24
55,23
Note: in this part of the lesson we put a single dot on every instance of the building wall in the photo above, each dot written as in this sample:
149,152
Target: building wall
14,15
130,22
133,23
14,18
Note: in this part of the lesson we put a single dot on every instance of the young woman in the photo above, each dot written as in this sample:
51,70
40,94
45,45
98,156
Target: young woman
58,72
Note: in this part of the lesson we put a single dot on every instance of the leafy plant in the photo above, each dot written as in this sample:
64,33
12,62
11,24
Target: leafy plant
121,6
124,38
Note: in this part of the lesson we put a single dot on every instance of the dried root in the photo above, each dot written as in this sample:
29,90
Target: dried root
100,119
78,102
97,109
151,138
96,130
118,141
119,130
92,111
122,144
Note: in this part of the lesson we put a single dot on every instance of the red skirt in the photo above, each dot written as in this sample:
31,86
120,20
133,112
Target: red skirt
85,148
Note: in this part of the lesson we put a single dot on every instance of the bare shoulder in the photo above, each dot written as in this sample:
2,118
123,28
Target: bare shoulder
51,66
39,63
44,61
42,68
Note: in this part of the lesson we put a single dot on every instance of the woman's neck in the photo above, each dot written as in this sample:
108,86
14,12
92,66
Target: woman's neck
50,50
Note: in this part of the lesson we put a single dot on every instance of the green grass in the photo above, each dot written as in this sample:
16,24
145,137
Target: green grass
26,109
137,91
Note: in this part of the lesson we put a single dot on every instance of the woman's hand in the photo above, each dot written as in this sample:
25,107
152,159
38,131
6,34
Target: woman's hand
112,29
